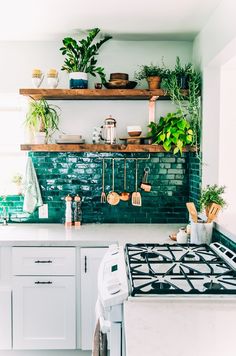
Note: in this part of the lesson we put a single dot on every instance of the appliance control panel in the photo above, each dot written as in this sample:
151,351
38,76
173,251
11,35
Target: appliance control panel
112,277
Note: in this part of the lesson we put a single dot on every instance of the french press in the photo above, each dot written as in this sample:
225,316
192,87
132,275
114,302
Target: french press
109,131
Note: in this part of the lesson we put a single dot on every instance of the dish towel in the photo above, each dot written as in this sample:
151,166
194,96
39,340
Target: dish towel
32,194
99,347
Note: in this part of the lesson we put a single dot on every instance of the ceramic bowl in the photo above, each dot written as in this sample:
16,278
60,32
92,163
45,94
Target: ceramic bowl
134,130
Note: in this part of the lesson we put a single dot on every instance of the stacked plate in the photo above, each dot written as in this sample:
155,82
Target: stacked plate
70,139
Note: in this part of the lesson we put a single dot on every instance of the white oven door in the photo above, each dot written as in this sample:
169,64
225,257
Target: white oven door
111,324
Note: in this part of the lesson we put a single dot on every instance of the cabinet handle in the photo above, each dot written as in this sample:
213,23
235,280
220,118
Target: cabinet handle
85,264
38,282
38,261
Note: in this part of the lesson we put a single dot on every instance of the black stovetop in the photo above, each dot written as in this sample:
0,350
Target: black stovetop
178,269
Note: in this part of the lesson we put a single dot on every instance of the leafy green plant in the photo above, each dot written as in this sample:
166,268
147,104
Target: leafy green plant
181,70
189,103
150,71
81,55
212,194
42,117
173,132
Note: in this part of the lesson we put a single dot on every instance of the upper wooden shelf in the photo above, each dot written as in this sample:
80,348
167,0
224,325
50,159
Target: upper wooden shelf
97,148
94,94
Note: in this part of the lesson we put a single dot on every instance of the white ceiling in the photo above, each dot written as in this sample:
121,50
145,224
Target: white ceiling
124,19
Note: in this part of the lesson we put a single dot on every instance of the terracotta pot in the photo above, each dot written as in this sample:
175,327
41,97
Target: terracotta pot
154,82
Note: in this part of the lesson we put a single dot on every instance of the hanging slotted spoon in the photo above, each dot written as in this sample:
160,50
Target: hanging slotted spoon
136,196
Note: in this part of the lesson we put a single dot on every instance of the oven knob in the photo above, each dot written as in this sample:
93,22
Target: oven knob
113,286
113,249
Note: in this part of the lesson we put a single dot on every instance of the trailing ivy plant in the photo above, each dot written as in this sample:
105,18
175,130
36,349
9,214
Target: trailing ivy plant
173,131
187,102
81,55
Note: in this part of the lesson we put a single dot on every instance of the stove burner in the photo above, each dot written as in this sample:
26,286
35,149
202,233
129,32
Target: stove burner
148,255
213,285
160,285
178,269
189,256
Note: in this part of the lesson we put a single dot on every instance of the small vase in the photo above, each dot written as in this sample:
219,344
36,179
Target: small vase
78,80
154,82
52,82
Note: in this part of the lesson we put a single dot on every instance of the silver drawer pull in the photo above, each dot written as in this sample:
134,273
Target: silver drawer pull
38,261
38,282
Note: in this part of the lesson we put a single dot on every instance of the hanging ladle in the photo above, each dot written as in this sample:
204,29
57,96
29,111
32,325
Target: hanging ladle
125,196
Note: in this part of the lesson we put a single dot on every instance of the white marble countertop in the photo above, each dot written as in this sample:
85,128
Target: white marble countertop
85,236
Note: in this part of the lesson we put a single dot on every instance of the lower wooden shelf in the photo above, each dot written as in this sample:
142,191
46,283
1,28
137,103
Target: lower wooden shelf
97,148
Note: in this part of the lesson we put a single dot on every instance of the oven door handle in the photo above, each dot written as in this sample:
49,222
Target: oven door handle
105,325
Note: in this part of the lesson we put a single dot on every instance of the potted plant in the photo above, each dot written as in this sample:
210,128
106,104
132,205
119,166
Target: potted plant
42,118
17,179
81,59
152,73
182,73
212,194
173,131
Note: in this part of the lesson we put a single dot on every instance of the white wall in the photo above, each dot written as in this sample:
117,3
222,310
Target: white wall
19,58
212,48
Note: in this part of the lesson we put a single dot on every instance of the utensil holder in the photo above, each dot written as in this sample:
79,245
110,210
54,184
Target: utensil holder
201,233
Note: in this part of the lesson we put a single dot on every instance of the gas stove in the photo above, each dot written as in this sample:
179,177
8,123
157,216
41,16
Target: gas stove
180,269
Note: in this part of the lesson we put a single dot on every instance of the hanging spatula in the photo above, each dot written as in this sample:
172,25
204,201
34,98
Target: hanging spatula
213,212
136,196
192,211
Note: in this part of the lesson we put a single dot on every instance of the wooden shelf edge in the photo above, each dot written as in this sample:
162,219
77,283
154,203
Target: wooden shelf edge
98,148
93,94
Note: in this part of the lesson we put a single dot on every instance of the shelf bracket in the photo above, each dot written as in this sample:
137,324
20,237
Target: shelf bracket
151,109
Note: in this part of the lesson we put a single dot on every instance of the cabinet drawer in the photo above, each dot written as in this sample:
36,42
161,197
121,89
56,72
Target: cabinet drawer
43,261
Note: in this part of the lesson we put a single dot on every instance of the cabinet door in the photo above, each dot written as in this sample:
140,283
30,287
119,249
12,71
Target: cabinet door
44,313
90,260
5,318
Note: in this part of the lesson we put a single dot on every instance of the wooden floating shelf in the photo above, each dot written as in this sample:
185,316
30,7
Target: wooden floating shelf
94,94
98,148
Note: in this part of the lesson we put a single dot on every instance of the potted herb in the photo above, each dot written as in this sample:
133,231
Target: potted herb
182,73
153,74
80,58
173,131
42,119
212,194
17,179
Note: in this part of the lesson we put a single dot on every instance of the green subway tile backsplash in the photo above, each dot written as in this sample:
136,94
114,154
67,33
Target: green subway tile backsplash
175,180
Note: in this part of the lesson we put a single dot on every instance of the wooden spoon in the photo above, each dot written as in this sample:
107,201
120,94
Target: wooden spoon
124,196
213,212
192,211
113,198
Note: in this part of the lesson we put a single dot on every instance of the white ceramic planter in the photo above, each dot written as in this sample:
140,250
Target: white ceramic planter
201,233
78,80
40,138
52,82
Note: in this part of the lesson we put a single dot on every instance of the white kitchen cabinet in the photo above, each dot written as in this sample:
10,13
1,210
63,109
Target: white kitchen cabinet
90,259
44,315
5,318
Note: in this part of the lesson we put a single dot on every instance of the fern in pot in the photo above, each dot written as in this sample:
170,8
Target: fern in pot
80,59
42,120
153,74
